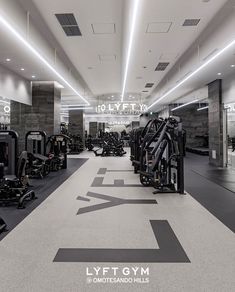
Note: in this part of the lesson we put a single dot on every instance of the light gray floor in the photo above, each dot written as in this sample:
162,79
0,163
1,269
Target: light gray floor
27,253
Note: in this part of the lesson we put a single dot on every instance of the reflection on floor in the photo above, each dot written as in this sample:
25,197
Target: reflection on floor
109,238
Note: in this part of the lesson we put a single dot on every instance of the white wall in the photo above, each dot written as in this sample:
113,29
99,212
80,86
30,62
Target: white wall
14,87
228,87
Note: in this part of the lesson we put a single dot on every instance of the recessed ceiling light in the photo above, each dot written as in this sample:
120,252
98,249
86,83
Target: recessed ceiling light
22,69
130,95
8,60
112,96
219,73
232,66
33,76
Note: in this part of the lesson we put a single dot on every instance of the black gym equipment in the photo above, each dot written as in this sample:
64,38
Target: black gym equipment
161,153
76,144
111,146
9,151
3,225
14,188
57,151
38,163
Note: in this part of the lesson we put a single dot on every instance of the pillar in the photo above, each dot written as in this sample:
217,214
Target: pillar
93,129
215,123
76,123
44,114
101,126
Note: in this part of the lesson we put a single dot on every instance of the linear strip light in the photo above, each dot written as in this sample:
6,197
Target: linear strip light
194,73
3,101
77,108
39,56
68,105
185,104
135,12
202,108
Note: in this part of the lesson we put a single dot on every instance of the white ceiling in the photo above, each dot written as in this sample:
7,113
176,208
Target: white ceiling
159,36
98,54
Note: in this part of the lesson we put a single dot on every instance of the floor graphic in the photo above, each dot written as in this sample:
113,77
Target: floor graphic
112,202
104,170
170,250
83,199
98,182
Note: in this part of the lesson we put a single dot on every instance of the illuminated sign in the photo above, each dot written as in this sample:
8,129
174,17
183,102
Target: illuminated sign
121,108
7,109
230,107
119,122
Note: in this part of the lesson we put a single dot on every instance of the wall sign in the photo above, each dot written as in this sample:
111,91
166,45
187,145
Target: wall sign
121,108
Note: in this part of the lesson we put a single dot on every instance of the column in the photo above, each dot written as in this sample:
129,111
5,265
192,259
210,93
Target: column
44,114
93,128
101,126
215,123
76,123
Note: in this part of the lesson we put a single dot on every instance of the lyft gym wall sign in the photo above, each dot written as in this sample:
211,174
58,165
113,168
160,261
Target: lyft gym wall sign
121,108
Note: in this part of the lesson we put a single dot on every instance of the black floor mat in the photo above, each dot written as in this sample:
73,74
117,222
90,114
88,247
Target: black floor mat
43,188
212,187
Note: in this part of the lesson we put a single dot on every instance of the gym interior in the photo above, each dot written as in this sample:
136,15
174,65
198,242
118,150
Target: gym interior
117,145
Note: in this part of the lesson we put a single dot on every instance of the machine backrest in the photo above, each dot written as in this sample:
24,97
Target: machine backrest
21,165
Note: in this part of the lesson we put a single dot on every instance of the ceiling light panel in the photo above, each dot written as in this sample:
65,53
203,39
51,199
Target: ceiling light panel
162,66
103,28
191,22
69,24
158,27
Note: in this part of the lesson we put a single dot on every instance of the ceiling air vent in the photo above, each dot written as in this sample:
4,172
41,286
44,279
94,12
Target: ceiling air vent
191,22
145,91
69,24
149,85
162,66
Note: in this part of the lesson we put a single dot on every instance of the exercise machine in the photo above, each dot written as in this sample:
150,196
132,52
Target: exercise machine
76,144
57,151
14,188
161,151
38,163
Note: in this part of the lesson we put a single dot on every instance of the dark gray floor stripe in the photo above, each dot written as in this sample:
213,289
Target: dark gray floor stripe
83,199
102,171
215,198
98,182
112,202
170,250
